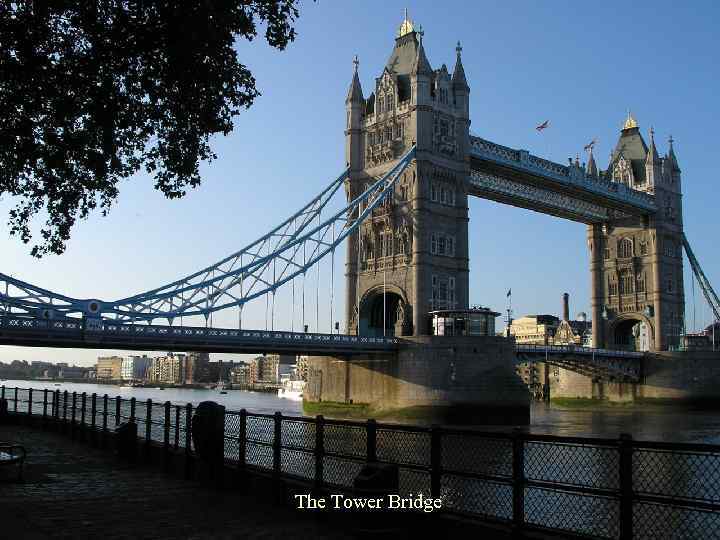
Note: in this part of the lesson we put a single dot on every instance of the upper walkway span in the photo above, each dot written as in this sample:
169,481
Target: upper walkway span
521,179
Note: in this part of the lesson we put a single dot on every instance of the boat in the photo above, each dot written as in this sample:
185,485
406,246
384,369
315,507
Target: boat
221,387
292,390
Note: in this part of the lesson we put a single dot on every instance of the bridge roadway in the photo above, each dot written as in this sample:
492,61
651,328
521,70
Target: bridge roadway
67,333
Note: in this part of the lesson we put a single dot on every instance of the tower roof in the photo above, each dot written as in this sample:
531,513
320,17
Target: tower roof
632,147
652,155
591,167
404,54
671,155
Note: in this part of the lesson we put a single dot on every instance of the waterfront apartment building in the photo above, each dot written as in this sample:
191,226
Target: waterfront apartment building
167,369
109,367
265,369
241,374
196,367
135,367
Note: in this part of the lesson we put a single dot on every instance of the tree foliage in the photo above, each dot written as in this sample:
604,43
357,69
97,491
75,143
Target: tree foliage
94,92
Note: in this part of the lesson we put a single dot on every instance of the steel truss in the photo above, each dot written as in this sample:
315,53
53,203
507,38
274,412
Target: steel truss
286,252
707,289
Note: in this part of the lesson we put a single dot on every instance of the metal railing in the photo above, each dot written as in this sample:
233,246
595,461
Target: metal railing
593,487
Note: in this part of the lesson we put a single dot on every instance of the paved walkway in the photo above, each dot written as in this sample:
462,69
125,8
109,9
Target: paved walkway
74,491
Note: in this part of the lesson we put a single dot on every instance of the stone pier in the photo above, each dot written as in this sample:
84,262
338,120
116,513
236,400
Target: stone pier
448,380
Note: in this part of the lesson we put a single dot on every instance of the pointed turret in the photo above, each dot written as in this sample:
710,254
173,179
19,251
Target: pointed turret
355,94
671,156
421,66
458,76
354,107
591,167
652,158
653,170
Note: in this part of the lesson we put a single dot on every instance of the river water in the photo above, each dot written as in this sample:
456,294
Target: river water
651,423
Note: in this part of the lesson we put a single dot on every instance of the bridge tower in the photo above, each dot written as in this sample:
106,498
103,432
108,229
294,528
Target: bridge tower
411,257
636,263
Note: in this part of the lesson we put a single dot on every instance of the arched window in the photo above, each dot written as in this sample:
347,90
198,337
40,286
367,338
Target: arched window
625,248
381,105
626,283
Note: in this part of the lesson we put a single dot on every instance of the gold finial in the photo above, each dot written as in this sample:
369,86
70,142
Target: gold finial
630,122
356,63
406,27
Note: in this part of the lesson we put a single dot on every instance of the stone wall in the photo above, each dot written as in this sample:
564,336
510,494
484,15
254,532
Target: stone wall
666,375
452,379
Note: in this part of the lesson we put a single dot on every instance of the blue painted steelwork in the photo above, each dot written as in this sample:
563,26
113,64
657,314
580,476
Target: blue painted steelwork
605,364
232,282
708,291
574,177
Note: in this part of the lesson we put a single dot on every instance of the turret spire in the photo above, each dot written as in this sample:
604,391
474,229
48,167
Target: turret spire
671,155
652,155
591,167
458,76
421,66
355,94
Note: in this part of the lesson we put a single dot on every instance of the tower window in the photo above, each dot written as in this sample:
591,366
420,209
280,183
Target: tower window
433,192
625,248
433,244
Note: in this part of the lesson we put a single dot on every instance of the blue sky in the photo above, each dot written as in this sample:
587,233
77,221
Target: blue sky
581,65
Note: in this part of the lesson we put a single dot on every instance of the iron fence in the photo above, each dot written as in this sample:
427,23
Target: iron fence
598,488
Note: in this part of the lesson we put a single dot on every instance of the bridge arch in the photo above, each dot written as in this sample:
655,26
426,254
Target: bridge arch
632,331
386,306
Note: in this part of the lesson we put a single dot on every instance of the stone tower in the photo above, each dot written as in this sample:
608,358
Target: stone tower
411,256
638,298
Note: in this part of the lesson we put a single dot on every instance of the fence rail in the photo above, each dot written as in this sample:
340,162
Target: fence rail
598,488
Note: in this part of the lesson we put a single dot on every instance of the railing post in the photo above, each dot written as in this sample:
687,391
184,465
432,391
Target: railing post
277,451
166,436
626,486
177,426
104,420
16,400
148,427
45,404
118,404
83,403
319,451
518,487
132,409
242,444
2,392
29,410
435,461
93,411
72,417
371,429
65,401
188,440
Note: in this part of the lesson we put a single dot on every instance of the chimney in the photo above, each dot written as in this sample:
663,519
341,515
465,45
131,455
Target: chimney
566,307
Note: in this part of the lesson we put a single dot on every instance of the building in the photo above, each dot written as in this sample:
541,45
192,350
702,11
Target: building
135,367
240,374
108,367
478,321
72,373
534,329
577,332
167,369
301,368
196,367
265,369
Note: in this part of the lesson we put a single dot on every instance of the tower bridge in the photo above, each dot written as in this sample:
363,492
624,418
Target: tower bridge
411,167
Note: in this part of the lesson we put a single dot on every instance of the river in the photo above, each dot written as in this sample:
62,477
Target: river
651,423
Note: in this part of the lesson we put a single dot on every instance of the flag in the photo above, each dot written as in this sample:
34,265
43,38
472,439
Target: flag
542,126
508,293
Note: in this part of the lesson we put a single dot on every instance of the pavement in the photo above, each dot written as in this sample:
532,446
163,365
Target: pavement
74,491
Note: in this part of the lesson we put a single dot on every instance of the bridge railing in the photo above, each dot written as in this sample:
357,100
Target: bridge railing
189,332
593,487
575,349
